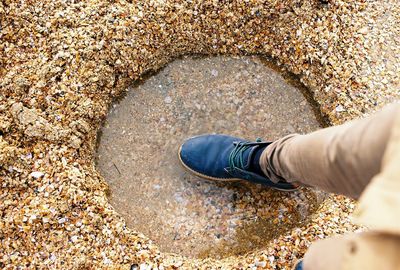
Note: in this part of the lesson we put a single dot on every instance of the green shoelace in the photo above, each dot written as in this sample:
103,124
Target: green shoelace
236,157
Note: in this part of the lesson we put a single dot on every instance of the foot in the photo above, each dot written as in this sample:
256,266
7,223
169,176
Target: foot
224,158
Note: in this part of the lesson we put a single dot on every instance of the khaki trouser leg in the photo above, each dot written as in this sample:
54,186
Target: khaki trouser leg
369,250
341,159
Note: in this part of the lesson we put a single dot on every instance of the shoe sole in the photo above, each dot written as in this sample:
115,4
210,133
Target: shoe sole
219,179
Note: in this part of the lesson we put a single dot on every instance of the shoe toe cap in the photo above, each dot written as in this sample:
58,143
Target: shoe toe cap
190,155
205,154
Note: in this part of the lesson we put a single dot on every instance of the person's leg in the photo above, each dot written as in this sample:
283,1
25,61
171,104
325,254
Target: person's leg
341,159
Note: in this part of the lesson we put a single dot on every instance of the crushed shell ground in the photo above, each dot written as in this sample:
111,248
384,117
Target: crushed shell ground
63,63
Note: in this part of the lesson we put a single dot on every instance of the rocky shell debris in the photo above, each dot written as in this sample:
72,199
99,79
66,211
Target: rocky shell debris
62,63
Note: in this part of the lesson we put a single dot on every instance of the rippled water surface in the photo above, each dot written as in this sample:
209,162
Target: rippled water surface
181,213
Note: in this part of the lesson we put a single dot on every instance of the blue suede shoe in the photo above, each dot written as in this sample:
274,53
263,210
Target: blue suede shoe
224,158
299,265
